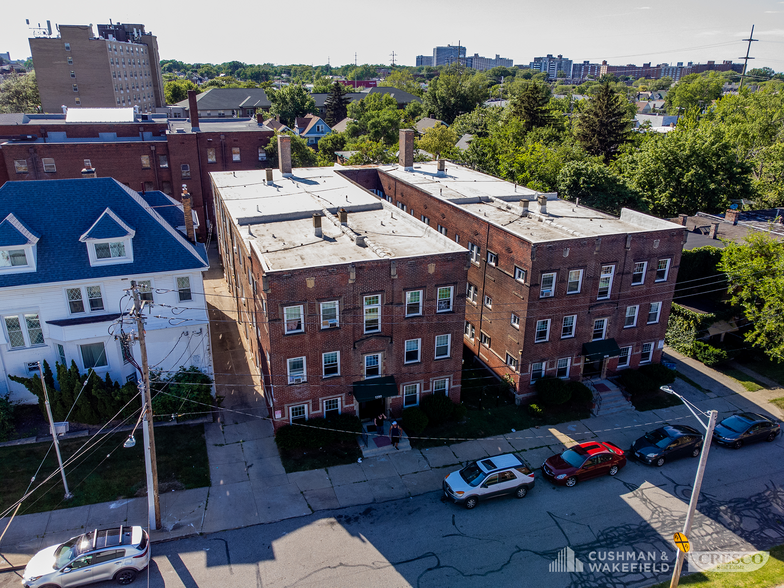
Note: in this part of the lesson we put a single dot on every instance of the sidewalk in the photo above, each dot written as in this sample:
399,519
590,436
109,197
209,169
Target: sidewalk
249,485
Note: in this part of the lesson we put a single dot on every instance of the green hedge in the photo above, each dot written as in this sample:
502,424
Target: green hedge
552,391
414,420
709,355
438,408
647,380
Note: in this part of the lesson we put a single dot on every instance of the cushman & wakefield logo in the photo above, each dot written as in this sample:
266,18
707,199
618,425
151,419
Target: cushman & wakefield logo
622,561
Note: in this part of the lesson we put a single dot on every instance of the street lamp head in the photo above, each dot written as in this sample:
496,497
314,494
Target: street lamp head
129,442
667,389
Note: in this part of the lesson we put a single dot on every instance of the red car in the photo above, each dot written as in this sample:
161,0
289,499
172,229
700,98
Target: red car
584,461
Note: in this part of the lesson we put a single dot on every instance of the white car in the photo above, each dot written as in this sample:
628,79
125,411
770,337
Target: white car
118,554
489,478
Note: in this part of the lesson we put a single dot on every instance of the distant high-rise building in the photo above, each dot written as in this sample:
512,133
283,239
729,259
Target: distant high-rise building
449,54
552,65
120,67
485,63
585,70
424,60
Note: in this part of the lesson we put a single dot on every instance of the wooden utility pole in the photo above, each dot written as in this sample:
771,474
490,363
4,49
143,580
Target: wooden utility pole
68,494
751,39
150,461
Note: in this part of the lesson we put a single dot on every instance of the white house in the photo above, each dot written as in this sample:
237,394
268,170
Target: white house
68,252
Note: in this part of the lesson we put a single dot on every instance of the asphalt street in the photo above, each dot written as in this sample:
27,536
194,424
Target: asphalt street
428,542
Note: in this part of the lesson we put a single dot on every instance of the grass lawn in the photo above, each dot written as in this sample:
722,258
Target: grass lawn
94,477
654,401
768,576
746,381
766,367
690,382
300,460
778,402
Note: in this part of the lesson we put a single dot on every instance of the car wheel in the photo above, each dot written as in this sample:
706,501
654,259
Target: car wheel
571,481
125,577
471,502
659,462
696,451
613,470
521,492
738,444
770,437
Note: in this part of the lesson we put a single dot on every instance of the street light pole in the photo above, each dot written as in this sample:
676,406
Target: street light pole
695,492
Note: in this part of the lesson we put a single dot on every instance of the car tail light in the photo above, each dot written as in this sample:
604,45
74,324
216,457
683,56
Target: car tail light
142,554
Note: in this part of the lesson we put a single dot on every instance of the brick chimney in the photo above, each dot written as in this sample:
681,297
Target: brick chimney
524,205
406,157
343,216
89,172
732,216
683,219
284,154
269,174
187,208
714,231
317,225
441,167
542,200
193,110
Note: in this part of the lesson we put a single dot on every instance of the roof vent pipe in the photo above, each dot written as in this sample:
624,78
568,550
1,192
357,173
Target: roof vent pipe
317,225
343,216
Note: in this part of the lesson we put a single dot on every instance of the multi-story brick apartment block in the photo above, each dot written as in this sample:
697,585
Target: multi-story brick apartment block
143,152
554,288
348,304
120,67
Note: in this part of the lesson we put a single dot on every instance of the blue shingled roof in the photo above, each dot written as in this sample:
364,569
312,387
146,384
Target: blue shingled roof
166,207
106,228
60,211
10,235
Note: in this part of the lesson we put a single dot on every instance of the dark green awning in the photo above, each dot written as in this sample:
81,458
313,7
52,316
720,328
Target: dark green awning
375,388
597,350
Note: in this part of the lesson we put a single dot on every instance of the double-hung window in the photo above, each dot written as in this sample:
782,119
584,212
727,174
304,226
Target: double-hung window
329,314
515,321
23,330
77,296
410,395
372,313
492,258
372,365
631,316
475,251
575,282
235,154
537,371
471,292
414,303
638,275
296,370
469,331
488,301
331,407
298,414
605,282
484,339
624,357
647,353
293,320
184,289
413,350
512,361
330,363
599,328
441,386
662,270
562,369
542,331
444,296
519,275
568,325
653,312
442,346
548,285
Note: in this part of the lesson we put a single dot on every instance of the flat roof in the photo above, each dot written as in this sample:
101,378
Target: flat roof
112,115
498,202
219,125
276,219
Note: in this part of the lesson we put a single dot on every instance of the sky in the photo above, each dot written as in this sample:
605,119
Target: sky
316,33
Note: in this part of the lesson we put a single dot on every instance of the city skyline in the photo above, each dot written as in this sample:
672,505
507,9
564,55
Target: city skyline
612,30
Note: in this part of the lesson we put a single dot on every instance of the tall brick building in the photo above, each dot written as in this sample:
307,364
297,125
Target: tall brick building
348,304
554,288
119,67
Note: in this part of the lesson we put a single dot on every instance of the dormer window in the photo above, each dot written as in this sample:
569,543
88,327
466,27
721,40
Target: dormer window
17,246
13,258
110,250
108,240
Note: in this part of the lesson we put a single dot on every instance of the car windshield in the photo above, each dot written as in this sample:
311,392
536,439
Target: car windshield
472,474
65,553
735,423
573,458
658,438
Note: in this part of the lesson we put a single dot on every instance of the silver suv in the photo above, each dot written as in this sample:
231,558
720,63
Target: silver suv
489,478
109,554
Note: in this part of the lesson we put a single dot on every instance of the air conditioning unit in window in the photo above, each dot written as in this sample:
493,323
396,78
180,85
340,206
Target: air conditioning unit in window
296,380
328,324
547,293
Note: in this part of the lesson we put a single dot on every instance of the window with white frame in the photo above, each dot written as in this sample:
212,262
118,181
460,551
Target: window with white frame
23,330
562,368
471,292
548,285
537,371
298,414
469,331
568,326
372,365
599,329
512,361
631,317
638,274
20,166
414,303
329,314
475,251
492,258
235,154
293,320
647,353
49,165
542,333
575,282
653,312
410,395
331,407
662,270
296,370
13,258
444,299
441,386
77,296
484,339
93,355
413,347
624,357
110,250
184,289
372,313
443,346
185,170
442,230
330,364
605,282
488,301
61,354
515,321
519,274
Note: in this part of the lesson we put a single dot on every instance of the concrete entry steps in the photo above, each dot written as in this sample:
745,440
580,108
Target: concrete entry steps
609,398
374,443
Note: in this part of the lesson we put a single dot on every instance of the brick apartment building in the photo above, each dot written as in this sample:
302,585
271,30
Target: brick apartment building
143,152
554,288
348,304
119,67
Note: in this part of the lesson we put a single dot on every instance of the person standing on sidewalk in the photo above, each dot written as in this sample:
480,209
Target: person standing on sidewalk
394,434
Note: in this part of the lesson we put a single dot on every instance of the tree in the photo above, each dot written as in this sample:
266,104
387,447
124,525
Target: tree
291,102
402,79
328,145
755,270
454,93
19,93
695,91
336,103
322,85
596,186
759,74
369,151
177,91
437,140
662,83
376,116
604,124
530,105
301,154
